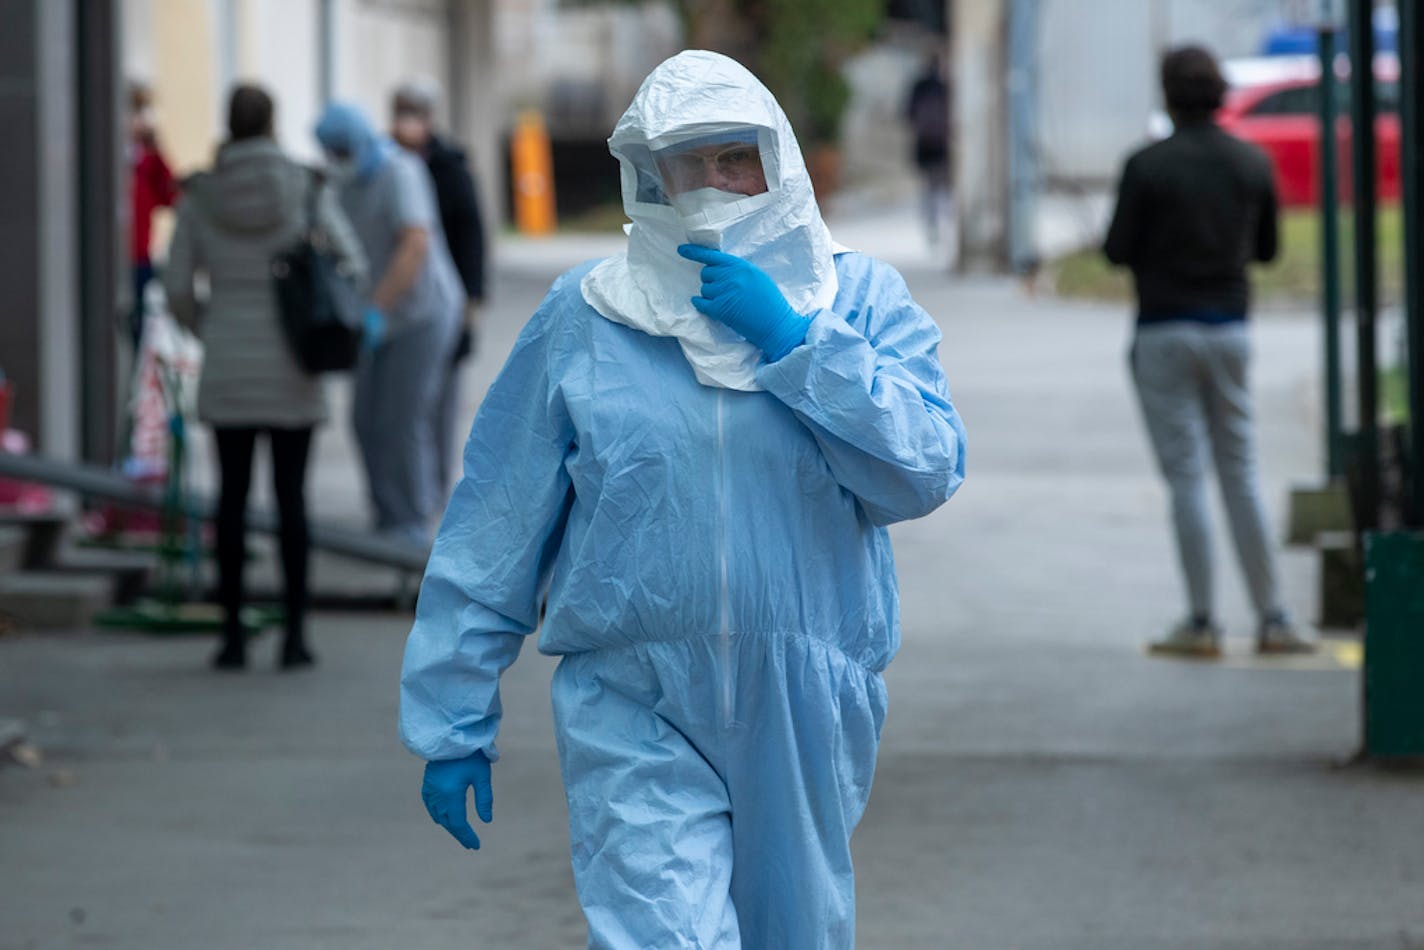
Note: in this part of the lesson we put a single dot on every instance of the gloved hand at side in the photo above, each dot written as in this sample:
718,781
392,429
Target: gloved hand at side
741,295
373,329
443,792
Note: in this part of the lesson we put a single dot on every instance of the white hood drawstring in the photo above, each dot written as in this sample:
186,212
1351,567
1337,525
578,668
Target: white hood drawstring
650,287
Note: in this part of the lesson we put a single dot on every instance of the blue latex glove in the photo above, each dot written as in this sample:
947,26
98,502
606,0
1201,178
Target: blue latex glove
373,329
443,792
741,295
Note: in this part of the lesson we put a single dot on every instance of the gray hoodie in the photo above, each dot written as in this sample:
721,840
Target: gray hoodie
231,221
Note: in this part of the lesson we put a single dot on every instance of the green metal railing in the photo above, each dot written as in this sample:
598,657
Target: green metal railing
1330,254
1363,152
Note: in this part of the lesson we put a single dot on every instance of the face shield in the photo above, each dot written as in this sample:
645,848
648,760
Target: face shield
707,157
701,173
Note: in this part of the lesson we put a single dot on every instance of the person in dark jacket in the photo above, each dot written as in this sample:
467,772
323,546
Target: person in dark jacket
412,125
1193,211
928,111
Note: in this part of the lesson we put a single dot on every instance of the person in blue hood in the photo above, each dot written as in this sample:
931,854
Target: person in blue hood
412,320
688,463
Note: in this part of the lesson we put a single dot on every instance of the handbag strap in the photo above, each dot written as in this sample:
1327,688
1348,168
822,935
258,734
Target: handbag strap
313,193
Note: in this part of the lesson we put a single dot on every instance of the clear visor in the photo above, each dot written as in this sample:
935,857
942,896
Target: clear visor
726,161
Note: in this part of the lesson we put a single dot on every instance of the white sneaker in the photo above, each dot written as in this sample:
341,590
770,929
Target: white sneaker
1277,635
1201,641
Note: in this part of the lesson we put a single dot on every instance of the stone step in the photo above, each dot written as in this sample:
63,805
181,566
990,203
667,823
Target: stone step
51,600
12,731
133,571
44,532
13,544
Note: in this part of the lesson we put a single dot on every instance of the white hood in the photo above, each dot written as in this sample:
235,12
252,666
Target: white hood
650,287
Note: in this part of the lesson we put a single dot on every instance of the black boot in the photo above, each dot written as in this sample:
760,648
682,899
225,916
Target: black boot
233,655
295,655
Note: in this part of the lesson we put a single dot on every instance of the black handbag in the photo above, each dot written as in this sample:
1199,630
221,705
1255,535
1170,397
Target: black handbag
317,299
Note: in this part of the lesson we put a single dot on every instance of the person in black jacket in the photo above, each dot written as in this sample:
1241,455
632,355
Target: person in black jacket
1193,211
928,110
412,121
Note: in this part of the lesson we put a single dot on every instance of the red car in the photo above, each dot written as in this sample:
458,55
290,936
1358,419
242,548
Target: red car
1274,103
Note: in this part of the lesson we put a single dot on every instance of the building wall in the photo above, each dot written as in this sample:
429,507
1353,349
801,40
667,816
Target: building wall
39,325
382,42
192,51
1098,74
173,45
287,60
1094,69
19,210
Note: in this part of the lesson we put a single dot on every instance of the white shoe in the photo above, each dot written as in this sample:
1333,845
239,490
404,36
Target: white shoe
1201,641
1277,635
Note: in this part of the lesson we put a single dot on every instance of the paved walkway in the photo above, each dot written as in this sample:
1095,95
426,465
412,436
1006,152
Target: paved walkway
1042,783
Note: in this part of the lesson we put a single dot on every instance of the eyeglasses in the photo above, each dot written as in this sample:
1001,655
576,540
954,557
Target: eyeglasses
690,169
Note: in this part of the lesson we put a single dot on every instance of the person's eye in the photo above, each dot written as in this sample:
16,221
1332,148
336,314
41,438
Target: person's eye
739,159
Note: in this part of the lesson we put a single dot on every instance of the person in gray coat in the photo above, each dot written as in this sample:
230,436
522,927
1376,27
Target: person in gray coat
232,220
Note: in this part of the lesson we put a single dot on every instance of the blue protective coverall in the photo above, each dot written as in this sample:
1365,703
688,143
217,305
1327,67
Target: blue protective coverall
720,584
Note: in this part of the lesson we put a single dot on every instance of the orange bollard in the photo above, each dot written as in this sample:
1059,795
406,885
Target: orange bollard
532,163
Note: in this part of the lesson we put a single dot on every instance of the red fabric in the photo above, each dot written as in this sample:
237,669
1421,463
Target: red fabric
151,187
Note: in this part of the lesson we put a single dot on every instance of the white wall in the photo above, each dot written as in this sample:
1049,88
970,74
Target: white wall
1098,85
279,46
379,43
1098,69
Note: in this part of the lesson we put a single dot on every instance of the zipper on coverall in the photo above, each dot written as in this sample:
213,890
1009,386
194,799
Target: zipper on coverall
724,600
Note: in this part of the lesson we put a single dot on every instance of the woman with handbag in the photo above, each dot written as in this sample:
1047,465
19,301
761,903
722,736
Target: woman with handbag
232,221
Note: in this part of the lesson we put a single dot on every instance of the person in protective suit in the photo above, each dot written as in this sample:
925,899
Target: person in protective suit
690,460
411,321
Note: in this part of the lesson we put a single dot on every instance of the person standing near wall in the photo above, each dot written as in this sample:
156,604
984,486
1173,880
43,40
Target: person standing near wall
1192,211
412,319
413,126
232,220
151,186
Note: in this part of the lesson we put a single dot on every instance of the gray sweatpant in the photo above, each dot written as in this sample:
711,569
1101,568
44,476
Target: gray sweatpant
1191,382
395,414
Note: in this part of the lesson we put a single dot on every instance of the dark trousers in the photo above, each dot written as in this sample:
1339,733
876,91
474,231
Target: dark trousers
290,448
142,273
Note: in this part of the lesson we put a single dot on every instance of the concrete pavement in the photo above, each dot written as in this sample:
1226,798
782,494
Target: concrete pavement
1042,783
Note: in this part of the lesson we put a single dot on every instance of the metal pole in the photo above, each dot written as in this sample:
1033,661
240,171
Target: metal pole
102,250
1411,52
326,50
1024,171
1330,252
1362,89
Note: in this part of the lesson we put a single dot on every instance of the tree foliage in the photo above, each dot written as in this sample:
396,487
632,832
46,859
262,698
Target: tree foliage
796,47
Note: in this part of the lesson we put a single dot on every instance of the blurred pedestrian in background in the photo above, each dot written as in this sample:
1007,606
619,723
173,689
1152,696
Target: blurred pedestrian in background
151,186
412,322
691,458
413,126
232,220
1192,212
928,110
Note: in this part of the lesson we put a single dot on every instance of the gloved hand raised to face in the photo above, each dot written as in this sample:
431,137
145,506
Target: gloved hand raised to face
741,295
443,791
